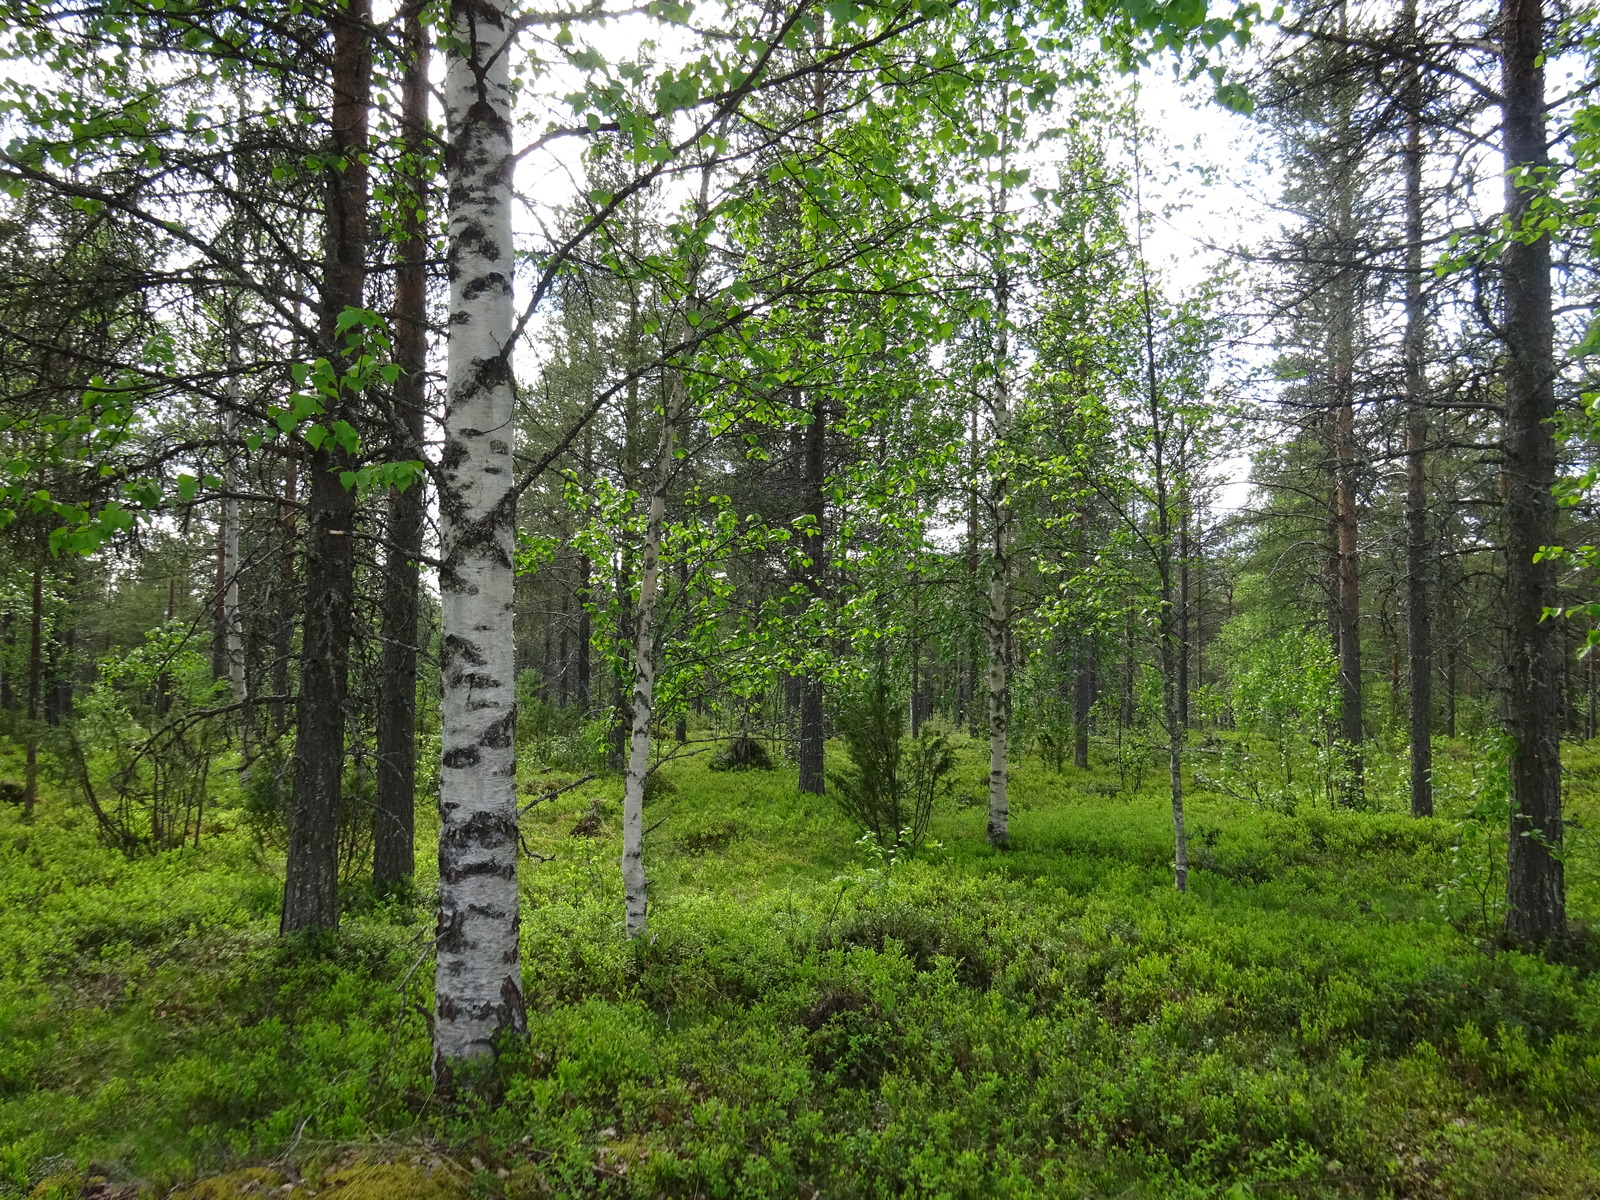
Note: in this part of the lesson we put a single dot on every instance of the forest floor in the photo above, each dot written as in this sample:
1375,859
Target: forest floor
1049,1021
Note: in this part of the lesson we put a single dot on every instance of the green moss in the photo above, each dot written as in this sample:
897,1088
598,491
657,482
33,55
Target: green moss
394,1181
251,1183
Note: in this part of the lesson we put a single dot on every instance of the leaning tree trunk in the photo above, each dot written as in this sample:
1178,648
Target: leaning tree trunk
478,974
1419,650
634,883
311,886
1535,882
394,828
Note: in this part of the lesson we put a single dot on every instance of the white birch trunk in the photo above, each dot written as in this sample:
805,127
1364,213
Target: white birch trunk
999,615
478,976
635,884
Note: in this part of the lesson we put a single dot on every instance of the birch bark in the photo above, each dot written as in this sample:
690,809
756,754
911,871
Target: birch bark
478,974
635,885
999,615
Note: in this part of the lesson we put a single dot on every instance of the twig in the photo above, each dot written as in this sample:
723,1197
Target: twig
553,793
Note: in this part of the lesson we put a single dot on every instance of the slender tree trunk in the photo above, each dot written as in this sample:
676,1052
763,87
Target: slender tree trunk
585,632
811,724
232,624
1171,644
680,728
1419,648
30,785
1168,498
478,974
1183,620
219,588
8,699
635,885
998,625
1535,882
1083,701
394,829
283,641
311,886
1347,563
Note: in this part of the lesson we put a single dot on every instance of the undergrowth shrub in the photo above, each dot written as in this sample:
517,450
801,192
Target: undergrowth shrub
892,782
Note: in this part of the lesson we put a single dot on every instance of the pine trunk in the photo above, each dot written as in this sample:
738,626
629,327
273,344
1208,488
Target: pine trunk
394,830
1535,882
311,886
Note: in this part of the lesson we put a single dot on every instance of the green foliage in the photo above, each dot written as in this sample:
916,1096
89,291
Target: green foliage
1049,1022
1472,894
1283,692
147,739
555,737
892,783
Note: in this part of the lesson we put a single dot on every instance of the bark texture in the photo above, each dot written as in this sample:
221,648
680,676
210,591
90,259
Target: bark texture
1347,563
1535,881
811,721
394,829
478,973
635,885
311,885
998,623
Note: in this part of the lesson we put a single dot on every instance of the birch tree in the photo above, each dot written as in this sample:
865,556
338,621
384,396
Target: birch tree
478,976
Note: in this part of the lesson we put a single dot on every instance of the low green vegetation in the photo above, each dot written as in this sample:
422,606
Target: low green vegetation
809,1019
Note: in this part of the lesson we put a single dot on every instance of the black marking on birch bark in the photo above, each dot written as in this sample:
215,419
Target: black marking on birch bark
451,938
454,455
486,830
496,446
446,1008
511,995
489,866
457,647
460,758
500,734
476,240
473,680
482,284
491,373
